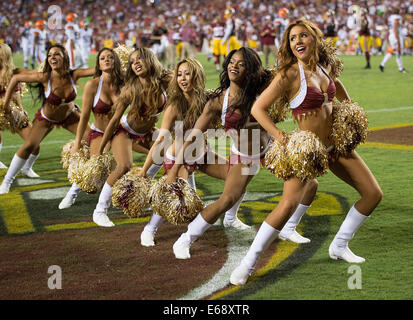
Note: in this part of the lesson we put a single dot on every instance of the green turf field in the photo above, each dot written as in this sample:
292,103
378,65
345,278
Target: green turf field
385,240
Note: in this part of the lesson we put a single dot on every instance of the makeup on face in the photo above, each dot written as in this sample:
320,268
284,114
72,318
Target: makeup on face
184,77
106,60
236,66
55,57
301,42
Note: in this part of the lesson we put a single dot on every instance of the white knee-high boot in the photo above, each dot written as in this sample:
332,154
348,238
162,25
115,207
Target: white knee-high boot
2,165
265,236
100,213
195,230
70,197
16,164
339,246
231,220
148,233
288,232
27,169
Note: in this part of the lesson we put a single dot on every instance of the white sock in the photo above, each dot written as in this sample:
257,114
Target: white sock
16,164
154,223
231,214
1,145
191,181
348,228
385,59
294,220
264,237
30,161
73,191
153,170
197,228
399,61
105,198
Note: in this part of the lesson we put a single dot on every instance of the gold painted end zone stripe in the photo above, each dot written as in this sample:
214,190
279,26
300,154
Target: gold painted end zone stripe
391,126
15,215
387,146
284,250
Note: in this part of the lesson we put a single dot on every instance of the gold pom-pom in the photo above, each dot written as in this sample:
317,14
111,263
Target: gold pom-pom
18,118
276,161
66,155
329,54
76,162
123,53
307,155
23,89
350,126
303,156
93,173
131,193
177,202
4,119
278,111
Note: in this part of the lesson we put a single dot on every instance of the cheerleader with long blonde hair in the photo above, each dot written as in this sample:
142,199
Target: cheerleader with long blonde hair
307,79
144,92
7,70
186,100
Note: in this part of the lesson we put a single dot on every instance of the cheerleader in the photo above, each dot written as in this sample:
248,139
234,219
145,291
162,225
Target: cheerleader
186,99
98,97
144,91
242,78
7,70
57,89
308,81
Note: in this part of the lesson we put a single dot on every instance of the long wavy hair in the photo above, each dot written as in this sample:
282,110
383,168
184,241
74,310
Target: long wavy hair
188,111
286,57
134,92
64,72
7,65
255,80
116,72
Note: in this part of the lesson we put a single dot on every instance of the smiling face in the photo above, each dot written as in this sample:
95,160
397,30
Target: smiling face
138,64
184,77
301,43
106,60
55,58
236,67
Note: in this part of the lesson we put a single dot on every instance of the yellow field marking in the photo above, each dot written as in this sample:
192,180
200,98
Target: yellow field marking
391,126
41,186
90,224
15,215
324,204
387,146
284,250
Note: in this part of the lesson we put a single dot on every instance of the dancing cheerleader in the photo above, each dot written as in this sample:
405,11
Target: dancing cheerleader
56,83
7,70
186,100
241,80
145,92
98,97
309,82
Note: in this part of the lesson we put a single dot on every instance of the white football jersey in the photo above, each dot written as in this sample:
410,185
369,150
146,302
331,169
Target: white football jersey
391,21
